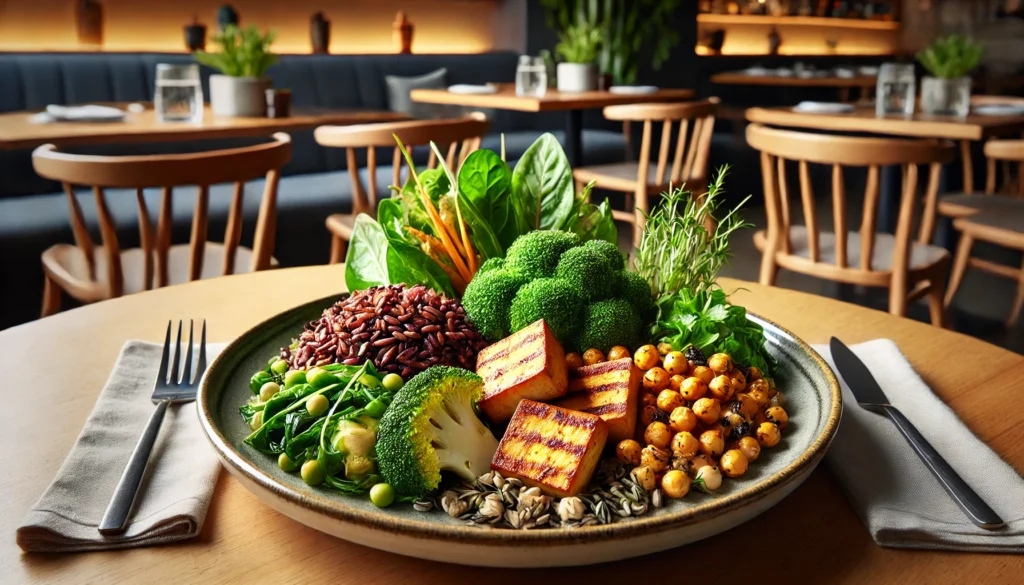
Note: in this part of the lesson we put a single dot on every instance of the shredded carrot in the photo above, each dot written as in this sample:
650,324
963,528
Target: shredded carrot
470,253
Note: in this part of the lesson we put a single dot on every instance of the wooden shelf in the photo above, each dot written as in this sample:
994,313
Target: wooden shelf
813,21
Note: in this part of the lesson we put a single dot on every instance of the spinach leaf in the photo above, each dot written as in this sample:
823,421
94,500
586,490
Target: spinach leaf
366,263
543,192
413,213
262,439
331,460
594,222
485,184
379,256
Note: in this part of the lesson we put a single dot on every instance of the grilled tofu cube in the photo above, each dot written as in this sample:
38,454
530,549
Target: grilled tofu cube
553,448
530,363
609,390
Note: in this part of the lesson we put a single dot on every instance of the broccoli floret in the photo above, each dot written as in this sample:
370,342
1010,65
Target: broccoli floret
608,323
554,300
635,289
535,254
431,426
610,252
487,300
490,264
587,271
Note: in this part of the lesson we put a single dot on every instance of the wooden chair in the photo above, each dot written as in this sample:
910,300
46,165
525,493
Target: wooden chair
91,273
910,269
1004,152
997,220
696,121
458,136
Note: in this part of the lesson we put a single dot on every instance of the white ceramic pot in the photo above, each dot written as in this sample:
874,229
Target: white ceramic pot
577,77
238,96
946,97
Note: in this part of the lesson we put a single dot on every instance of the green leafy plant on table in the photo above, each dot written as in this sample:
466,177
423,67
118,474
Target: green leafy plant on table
951,57
243,52
580,42
680,256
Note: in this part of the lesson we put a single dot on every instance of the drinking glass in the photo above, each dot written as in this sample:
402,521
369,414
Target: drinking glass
531,77
179,93
895,90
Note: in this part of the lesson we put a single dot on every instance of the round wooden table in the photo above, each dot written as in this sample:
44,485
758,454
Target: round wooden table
56,367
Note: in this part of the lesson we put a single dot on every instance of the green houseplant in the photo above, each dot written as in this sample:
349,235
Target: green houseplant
243,60
950,60
578,47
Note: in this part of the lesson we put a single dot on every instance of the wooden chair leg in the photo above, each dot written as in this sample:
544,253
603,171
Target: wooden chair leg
936,294
51,297
338,248
963,254
769,269
1018,302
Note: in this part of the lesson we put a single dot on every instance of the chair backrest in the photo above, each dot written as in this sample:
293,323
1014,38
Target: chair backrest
202,169
692,143
1005,151
778,146
458,137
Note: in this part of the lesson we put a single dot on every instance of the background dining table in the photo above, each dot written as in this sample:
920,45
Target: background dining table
864,83
56,367
573,104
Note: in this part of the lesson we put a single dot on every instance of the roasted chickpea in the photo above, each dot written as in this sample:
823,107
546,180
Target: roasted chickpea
738,377
646,357
675,363
768,434
711,476
669,400
704,373
682,419
754,373
573,360
645,477
593,356
656,379
675,484
664,349
649,414
701,460
657,434
721,363
721,388
685,445
693,388
707,410
775,398
628,452
760,384
618,352
712,443
760,397
749,447
649,399
776,414
748,407
655,458
676,382
729,420
733,463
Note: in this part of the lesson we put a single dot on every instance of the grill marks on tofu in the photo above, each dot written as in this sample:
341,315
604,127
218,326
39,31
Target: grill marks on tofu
512,364
530,363
553,448
609,390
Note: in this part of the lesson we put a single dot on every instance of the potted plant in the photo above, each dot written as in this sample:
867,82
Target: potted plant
244,57
578,46
949,60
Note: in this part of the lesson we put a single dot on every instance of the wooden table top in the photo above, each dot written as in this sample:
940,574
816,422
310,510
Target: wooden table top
506,99
55,368
863,119
741,78
17,131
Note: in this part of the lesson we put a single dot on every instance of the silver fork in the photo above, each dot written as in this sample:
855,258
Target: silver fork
170,388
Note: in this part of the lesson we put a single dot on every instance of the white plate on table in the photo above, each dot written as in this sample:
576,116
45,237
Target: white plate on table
999,110
633,89
89,113
468,89
823,108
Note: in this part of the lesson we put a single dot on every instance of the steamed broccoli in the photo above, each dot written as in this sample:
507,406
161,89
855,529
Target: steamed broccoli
535,254
431,426
609,250
635,289
554,300
487,300
491,264
587,270
609,323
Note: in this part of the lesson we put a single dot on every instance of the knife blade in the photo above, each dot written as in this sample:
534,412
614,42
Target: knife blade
870,396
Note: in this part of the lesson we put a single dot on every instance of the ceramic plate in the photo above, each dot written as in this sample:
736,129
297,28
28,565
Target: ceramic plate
633,89
823,108
999,110
472,90
812,399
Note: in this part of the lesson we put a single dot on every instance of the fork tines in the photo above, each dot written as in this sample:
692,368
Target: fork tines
176,382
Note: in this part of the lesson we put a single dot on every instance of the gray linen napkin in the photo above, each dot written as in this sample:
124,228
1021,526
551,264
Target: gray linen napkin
897,498
175,494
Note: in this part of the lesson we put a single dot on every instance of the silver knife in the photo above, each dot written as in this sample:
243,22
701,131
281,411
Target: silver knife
870,397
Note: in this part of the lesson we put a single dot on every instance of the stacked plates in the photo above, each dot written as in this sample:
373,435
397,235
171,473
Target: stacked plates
823,108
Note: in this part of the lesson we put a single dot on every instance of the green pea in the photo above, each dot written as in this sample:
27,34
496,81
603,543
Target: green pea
320,378
285,463
369,380
393,382
279,366
382,495
257,421
294,378
376,408
312,473
268,390
317,406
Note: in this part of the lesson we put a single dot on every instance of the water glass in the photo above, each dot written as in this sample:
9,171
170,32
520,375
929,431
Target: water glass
895,90
179,93
531,77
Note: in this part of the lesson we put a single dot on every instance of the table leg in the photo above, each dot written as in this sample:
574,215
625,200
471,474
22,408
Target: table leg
574,137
